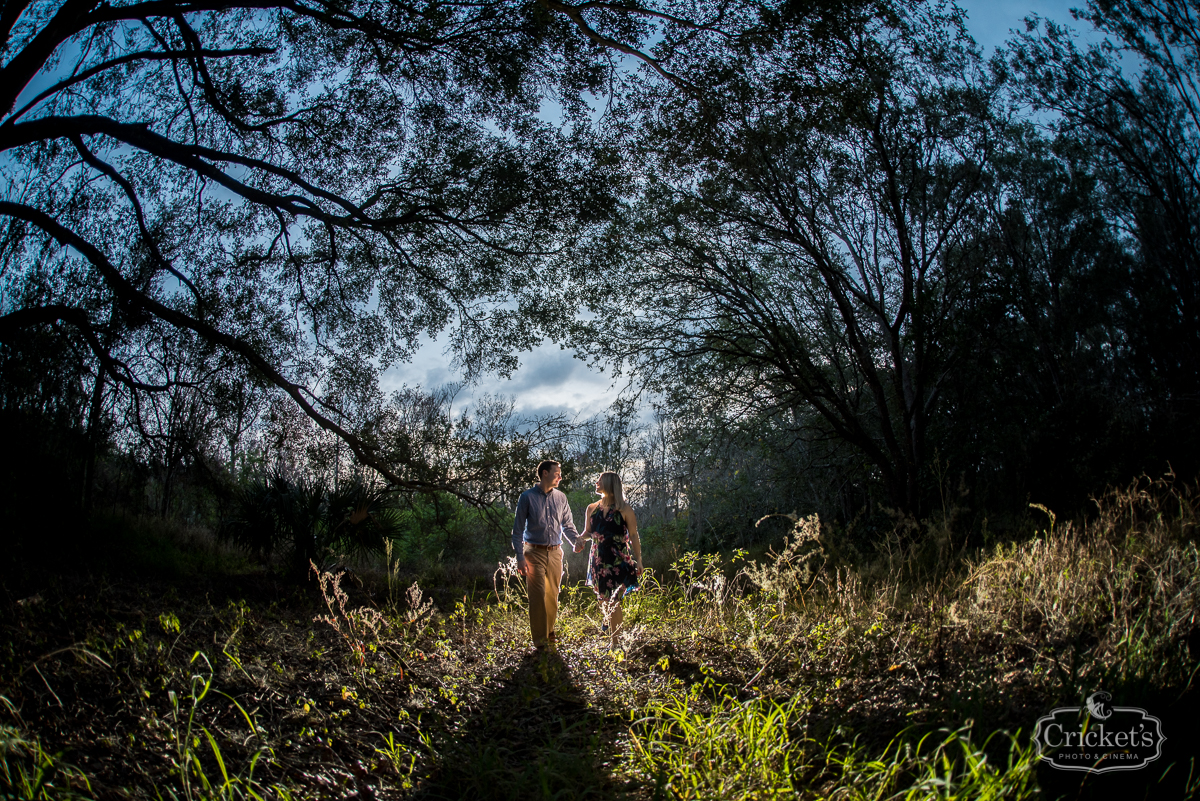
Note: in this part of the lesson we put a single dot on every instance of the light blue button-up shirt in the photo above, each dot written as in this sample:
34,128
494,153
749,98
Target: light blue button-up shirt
542,518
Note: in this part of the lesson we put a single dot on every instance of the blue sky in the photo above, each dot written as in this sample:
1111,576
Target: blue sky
550,380
990,22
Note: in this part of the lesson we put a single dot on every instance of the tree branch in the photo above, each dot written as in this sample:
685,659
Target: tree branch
134,300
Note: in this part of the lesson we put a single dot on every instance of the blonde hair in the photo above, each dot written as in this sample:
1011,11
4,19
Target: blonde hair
610,484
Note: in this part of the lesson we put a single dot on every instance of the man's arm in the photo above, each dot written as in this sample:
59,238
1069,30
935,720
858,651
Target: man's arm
586,534
568,521
518,535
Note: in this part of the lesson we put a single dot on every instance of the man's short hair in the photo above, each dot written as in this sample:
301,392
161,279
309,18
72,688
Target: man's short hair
545,465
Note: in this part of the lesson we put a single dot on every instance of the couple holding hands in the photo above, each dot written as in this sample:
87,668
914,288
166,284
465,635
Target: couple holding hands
544,518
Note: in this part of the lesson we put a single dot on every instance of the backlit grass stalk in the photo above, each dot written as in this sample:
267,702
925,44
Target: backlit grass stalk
755,749
29,773
734,750
195,782
938,765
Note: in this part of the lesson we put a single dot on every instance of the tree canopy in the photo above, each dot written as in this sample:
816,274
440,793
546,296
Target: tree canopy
294,193
841,249
806,229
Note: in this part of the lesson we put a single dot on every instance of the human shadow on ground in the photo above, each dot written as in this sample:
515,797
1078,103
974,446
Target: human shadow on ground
534,737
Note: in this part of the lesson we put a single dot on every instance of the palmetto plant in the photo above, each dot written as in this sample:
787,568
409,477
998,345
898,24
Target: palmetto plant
307,519
357,519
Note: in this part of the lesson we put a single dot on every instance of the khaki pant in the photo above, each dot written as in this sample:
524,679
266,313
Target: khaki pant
543,584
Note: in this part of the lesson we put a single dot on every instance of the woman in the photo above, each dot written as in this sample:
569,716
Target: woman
613,566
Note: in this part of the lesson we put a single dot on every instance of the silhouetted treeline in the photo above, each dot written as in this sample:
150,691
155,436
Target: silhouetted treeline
850,265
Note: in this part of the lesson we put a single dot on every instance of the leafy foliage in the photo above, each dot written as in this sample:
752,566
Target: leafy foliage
303,517
200,196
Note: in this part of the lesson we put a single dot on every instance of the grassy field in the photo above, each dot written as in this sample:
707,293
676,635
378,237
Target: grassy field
916,674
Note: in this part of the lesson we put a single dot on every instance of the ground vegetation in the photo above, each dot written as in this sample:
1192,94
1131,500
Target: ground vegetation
916,672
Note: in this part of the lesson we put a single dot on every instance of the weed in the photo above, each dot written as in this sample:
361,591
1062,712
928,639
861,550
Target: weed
359,628
401,760
504,578
418,608
788,573
195,781
29,773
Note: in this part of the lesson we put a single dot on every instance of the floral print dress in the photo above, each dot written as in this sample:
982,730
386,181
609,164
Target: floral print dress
611,564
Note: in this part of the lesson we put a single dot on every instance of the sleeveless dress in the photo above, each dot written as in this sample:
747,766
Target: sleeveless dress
611,564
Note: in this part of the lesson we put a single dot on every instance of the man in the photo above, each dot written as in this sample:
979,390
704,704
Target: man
543,517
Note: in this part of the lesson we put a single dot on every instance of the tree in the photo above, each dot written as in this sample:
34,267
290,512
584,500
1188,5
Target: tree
804,228
1134,97
1048,407
306,186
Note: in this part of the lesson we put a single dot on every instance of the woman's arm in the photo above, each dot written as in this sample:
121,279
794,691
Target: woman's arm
587,522
586,534
634,540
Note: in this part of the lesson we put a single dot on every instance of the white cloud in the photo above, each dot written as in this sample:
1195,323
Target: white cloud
549,380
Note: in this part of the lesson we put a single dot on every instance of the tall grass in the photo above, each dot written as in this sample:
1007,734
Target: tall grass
936,766
1001,634
757,748
28,772
217,779
1119,596
812,671
730,749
